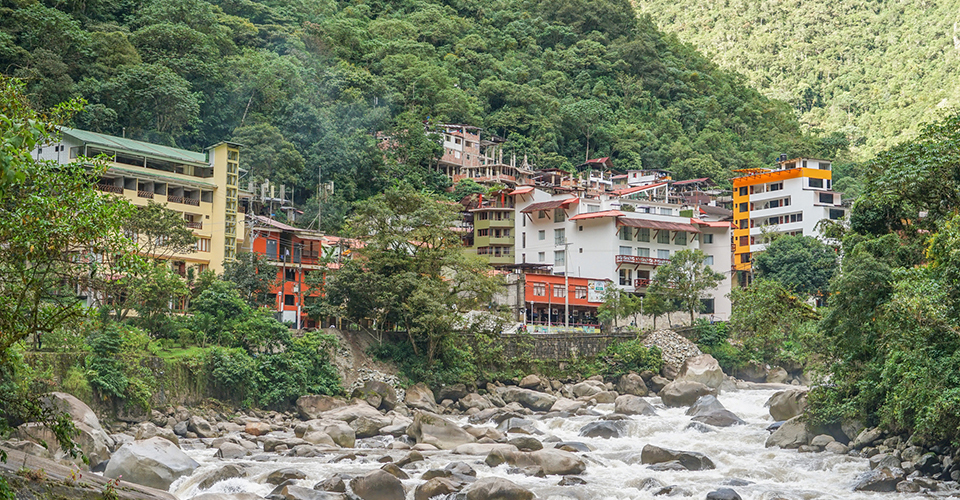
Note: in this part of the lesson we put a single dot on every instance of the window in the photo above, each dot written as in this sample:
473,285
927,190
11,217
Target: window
707,238
626,251
626,276
523,240
290,274
666,211
663,237
680,239
773,204
581,228
289,300
707,306
559,291
483,232
643,252
835,214
708,260
540,289
743,207
816,183
541,214
773,220
559,258
202,268
541,235
593,208
559,236
542,256
744,258
643,234
743,191
824,165
744,241
776,186
559,215
663,254
506,233
796,217
626,234
744,224
826,198
580,292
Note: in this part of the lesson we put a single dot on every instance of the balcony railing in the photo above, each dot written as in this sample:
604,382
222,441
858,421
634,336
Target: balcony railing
110,188
642,282
145,194
194,225
636,259
185,201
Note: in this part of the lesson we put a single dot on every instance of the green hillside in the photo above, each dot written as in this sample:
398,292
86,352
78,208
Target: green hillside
308,83
874,70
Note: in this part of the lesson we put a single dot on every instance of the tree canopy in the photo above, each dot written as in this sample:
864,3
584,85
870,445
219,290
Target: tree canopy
685,279
802,264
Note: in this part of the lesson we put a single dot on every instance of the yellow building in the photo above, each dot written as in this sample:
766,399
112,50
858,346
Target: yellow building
204,187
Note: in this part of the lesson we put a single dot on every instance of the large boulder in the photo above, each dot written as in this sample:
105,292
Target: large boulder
787,404
201,427
606,429
95,443
378,485
704,369
530,382
587,388
632,405
567,405
147,430
690,460
719,418
534,400
777,375
221,473
433,429
452,392
880,479
704,405
377,394
437,486
312,405
632,384
155,462
420,397
552,461
474,400
495,488
352,412
791,434
78,410
683,393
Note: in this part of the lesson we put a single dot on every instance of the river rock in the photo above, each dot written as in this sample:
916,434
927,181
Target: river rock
632,405
683,393
227,496
791,434
228,450
534,400
395,470
604,429
836,448
221,473
95,443
822,440
340,432
657,383
420,397
294,492
495,488
573,446
452,392
719,418
704,369
474,400
605,397
377,485
352,412
436,487
311,406
587,388
787,404
777,375
255,428
526,443
154,462
690,460
482,449
333,484
552,461
78,410
280,475
723,494
430,428
377,394
882,479
369,426
632,384
530,382
567,405
867,437
201,427
704,405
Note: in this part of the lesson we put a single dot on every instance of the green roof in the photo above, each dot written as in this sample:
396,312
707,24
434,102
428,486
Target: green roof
155,151
156,175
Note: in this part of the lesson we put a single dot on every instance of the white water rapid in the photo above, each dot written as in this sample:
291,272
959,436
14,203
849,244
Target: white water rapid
613,469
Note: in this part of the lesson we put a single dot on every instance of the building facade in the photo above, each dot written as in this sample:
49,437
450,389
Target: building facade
790,199
203,186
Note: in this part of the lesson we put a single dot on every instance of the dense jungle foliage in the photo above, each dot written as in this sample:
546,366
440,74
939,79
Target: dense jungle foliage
872,71
308,83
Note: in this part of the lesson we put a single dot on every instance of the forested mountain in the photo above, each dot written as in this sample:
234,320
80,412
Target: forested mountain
873,70
308,83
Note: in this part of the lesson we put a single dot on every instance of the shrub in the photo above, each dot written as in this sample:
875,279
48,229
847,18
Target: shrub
620,358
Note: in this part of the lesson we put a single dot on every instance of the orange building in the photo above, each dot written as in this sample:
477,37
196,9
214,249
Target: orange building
546,296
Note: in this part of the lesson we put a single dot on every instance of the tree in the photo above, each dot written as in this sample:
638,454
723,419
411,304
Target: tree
767,317
685,279
254,277
53,225
802,264
586,116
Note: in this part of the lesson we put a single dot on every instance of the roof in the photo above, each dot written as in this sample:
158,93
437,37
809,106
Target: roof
692,181
636,189
712,210
621,176
722,224
597,215
160,175
599,160
656,224
548,205
155,151
521,190
273,224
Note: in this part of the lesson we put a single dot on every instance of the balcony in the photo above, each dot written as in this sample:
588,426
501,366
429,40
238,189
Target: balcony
110,188
145,194
643,261
642,282
502,240
183,201
194,225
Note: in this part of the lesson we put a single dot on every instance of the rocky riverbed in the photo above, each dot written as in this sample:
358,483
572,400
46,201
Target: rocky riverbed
703,435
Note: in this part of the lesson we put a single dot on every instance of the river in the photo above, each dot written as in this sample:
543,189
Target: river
614,469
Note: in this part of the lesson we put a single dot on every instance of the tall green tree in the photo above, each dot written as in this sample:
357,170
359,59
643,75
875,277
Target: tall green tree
686,278
802,264
254,277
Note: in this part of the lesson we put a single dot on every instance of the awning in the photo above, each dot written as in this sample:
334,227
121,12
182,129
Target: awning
708,223
521,190
636,189
549,205
597,215
656,224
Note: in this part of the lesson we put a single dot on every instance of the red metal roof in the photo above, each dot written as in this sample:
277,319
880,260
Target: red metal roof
548,205
636,189
597,215
521,190
712,223
691,181
656,224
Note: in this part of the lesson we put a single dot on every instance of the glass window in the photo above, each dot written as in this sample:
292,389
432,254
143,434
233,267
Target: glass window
643,234
707,306
580,292
559,291
666,211
816,183
663,254
542,256
626,233
625,277
540,289
559,258
708,260
681,238
663,237
541,235
626,251
643,252
559,215
826,198
559,236
707,238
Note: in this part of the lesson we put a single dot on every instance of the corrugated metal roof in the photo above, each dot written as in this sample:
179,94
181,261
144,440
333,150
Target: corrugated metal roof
548,205
521,190
636,189
597,215
160,175
656,224
136,147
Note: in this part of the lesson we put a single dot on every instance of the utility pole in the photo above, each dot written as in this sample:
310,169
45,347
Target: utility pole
319,194
566,284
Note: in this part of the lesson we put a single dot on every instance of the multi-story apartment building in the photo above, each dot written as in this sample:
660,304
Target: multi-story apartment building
620,236
790,199
468,156
203,186
492,230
